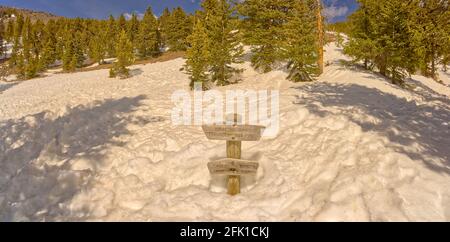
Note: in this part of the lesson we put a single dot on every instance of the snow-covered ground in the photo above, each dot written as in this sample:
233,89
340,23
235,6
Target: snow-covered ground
7,50
351,147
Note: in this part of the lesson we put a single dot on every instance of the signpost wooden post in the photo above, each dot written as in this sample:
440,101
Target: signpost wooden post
233,166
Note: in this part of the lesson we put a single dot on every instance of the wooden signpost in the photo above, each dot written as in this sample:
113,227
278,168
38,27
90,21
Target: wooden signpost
233,166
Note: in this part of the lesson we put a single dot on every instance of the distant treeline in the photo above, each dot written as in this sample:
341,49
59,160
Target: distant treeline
38,45
396,38
277,31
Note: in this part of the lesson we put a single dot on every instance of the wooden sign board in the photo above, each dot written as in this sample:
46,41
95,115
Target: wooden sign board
233,167
233,132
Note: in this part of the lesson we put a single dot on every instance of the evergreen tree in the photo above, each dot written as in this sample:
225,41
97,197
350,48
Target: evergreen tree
73,56
60,41
226,49
2,38
430,24
301,43
97,47
125,57
79,47
121,24
198,55
397,57
67,56
133,29
148,37
163,27
24,57
18,25
111,37
263,26
362,44
17,45
9,34
20,66
179,27
446,56
49,53
381,36
37,36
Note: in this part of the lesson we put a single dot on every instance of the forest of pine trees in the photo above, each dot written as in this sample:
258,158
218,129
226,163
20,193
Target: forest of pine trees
282,31
38,46
395,38
400,38
277,31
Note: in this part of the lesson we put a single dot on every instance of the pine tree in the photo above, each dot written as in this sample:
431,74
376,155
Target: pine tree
301,41
9,34
179,27
78,50
48,55
28,53
430,24
68,55
60,41
18,25
2,38
362,44
20,66
37,35
446,56
25,58
162,22
97,48
133,29
226,48
111,39
73,56
125,57
49,52
121,24
198,55
263,25
397,57
148,38
382,36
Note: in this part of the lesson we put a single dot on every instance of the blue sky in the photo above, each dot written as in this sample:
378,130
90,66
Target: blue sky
336,10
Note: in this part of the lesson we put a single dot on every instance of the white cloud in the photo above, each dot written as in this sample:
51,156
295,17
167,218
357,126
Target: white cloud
129,15
332,10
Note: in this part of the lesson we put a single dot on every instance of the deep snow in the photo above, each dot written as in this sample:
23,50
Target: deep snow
351,147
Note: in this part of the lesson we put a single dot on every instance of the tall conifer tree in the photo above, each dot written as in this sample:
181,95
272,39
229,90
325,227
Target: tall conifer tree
198,55
263,25
111,31
299,48
178,28
162,21
148,41
133,29
226,48
125,57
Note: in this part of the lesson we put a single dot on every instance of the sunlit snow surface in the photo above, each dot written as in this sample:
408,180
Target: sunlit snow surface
351,147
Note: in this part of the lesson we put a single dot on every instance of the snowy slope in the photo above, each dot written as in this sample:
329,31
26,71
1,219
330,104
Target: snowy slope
352,147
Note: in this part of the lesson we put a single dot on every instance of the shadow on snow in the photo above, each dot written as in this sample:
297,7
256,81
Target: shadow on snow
36,153
401,121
